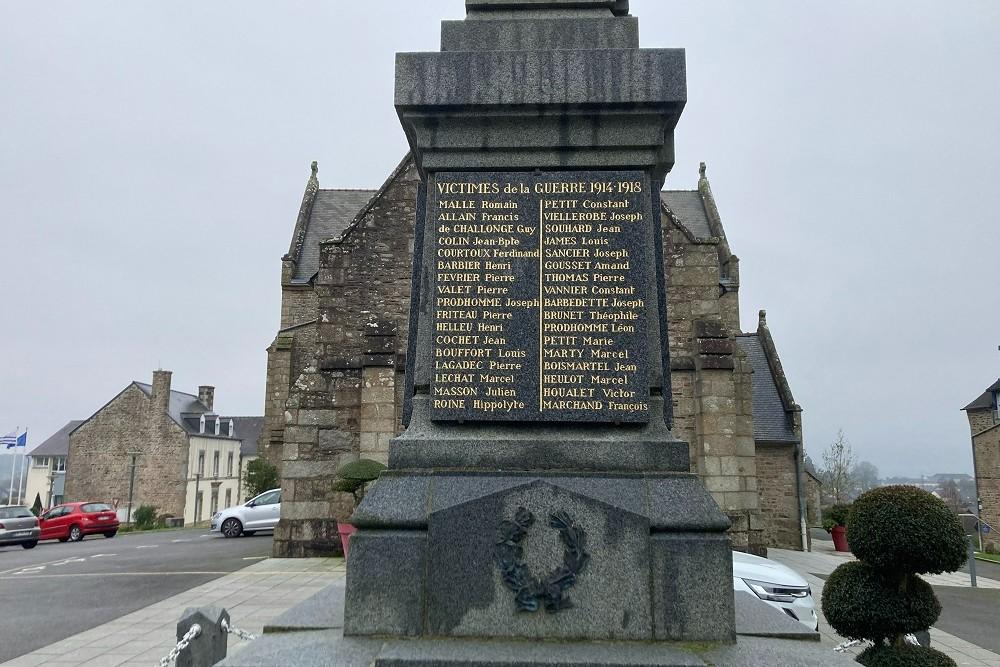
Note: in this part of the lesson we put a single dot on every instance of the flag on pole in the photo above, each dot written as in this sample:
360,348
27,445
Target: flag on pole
10,440
22,440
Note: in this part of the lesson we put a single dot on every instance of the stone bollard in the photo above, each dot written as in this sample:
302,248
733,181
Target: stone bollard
209,647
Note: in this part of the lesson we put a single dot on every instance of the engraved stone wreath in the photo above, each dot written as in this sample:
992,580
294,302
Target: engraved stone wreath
529,591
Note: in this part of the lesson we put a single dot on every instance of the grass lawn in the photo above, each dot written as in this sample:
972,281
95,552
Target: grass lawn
993,558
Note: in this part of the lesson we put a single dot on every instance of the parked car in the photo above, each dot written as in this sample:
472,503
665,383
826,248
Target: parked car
260,513
779,586
18,526
72,521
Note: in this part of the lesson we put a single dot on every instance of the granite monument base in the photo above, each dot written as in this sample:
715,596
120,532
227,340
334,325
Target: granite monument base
608,557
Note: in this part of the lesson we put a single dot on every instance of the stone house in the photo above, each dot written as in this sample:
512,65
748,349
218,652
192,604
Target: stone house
336,371
984,425
189,461
47,468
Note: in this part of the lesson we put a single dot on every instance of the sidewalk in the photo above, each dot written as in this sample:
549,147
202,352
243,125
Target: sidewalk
253,596
823,560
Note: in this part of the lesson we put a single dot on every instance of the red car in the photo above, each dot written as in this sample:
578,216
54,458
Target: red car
70,522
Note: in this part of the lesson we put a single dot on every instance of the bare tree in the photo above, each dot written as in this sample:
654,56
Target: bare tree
865,475
838,470
948,490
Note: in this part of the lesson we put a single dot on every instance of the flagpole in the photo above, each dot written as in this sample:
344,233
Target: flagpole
10,492
20,470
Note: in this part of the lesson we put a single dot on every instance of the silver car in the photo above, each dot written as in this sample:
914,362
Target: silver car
260,513
18,526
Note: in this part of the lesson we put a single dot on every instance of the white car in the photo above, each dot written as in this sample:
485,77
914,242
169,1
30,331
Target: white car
779,586
260,513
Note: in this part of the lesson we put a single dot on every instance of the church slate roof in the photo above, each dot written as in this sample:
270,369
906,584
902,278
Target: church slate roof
985,400
56,444
770,419
332,212
689,208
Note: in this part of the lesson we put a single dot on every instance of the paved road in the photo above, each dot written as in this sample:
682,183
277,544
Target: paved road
59,589
985,569
970,613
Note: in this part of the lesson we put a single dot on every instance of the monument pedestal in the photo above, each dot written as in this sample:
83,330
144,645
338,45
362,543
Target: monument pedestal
432,558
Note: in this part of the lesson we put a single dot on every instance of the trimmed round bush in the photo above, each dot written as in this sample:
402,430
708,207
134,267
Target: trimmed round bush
907,529
861,602
881,655
353,477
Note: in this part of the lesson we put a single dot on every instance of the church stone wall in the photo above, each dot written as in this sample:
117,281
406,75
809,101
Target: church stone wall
712,392
347,401
986,445
778,500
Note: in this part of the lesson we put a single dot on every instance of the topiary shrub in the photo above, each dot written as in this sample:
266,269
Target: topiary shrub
354,477
881,655
861,602
906,528
896,532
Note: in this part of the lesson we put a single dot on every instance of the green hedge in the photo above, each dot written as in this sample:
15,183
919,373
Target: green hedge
904,656
860,602
354,476
905,528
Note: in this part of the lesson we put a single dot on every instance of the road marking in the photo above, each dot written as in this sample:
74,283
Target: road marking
102,555
148,546
255,557
66,561
17,569
176,541
37,568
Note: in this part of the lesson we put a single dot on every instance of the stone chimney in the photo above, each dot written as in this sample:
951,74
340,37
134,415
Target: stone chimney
206,394
161,391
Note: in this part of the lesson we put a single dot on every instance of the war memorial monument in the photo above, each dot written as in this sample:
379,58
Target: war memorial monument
537,510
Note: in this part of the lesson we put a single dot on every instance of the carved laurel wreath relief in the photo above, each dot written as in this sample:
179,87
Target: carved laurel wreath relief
530,592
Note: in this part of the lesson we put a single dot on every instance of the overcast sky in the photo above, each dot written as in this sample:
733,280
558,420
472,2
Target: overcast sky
153,156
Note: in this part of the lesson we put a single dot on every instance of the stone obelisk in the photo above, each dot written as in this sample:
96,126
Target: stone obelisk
537,492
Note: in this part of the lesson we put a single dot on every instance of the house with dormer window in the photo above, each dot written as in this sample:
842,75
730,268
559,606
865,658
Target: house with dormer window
188,459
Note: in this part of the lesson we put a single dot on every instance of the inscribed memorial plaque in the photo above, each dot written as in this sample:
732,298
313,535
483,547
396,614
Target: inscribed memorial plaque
540,288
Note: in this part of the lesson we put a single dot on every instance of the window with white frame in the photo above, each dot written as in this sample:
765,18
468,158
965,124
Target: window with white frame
39,462
215,464
229,465
59,463
201,462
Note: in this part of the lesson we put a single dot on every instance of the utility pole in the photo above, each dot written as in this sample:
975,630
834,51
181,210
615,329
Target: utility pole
197,501
131,486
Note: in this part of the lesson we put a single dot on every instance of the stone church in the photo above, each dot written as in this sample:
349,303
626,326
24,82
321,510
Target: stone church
336,371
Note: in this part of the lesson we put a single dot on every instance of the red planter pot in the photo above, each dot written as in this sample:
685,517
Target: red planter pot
345,530
840,538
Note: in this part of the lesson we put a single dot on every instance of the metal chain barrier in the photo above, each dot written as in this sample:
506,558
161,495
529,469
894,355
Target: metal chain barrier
242,634
185,641
840,648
